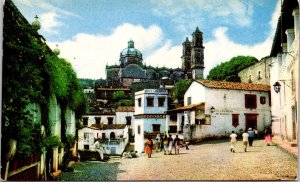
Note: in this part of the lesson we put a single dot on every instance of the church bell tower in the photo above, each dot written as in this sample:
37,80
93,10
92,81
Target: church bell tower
197,55
186,55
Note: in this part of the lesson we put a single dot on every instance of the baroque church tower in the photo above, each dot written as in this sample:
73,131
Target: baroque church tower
186,56
197,55
193,56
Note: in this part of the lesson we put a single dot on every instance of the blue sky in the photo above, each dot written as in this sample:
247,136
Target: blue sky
91,34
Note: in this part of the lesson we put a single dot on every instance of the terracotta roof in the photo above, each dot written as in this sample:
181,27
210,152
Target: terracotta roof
125,109
108,126
233,85
127,89
191,107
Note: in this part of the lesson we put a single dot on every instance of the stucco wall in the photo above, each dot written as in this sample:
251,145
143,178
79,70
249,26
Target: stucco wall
226,103
139,137
143,109
104,120
55,117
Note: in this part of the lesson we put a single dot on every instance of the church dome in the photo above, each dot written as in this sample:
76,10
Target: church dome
131,52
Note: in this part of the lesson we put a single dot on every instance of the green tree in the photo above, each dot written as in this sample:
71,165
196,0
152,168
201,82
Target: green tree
118,95
179,89
228,71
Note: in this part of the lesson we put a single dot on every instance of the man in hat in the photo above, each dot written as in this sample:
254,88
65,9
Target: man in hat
251,136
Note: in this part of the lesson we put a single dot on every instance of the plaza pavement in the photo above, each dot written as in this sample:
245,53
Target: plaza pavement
210,160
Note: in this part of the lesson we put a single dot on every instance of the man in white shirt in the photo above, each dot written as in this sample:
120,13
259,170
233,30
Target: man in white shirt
245,140
99,148
232,141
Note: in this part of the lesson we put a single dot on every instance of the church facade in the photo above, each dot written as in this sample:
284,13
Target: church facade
131,68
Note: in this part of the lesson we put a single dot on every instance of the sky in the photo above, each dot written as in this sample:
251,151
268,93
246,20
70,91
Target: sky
91,34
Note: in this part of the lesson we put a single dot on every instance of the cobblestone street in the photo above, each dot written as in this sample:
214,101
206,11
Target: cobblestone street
207,161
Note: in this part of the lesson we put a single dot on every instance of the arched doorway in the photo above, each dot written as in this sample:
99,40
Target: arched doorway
112,135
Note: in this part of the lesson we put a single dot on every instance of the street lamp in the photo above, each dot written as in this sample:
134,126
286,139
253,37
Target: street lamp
277,87
212,109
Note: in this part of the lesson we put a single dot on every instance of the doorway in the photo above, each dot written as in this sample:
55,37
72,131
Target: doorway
251,121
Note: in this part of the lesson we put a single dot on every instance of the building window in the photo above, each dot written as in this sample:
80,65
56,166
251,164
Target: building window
85,121
86,147
258,75
139,129
235,120
98,120
103,136
250,101
293,83
262,100
150,101
249,79
128,120
86,137
140,102
161,101
156,127
189,100
110,120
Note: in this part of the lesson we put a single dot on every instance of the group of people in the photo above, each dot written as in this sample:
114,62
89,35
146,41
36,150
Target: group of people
248,138
166,144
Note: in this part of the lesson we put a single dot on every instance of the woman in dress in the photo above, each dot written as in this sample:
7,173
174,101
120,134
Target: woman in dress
268,136
148,148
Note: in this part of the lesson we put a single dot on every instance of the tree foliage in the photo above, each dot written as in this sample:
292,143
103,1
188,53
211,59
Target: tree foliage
179,89
31,73
228,71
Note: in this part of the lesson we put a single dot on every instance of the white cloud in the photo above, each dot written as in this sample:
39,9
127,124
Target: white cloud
187,14
49,21
93,52
167,55
222,49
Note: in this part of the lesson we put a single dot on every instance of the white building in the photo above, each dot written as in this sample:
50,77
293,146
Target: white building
113,136
215,108
88,120
124,115
150,117
285,74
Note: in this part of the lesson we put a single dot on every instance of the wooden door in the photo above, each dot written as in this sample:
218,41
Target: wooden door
251,121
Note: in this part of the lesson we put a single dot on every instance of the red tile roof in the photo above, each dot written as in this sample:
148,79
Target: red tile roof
234,85
125,109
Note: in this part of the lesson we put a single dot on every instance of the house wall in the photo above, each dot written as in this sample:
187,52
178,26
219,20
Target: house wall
263,67
120,147
195,89
139,143
155,93
284,114
121,119
104,120
226,102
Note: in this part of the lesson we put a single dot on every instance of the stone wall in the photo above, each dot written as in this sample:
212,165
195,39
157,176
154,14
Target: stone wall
258,73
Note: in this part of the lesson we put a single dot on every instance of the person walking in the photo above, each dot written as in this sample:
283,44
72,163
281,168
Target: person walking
148,148
245,136
233,141
166,144
255,133
176,143
171,143
158,142
251,136
268,136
